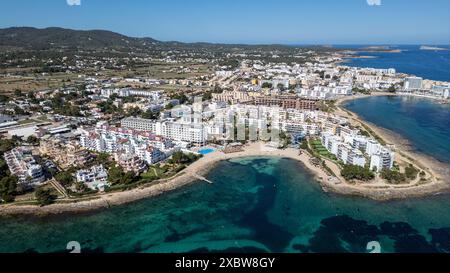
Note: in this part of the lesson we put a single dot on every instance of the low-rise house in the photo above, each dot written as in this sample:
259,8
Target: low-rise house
22,164
65,153
95,178
145,145
130,163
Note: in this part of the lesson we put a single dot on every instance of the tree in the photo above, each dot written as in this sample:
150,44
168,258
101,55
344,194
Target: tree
285,139
182,158
149,114
33,140
134,112
16,139
321,74
391,89
351,172
6,145
107,107
217,89
3,168
81,187
207,96
64,178
357,90
32,97
393,177
411,172
177,157
8,187
4,98
266,85
281,87
18,93
102,159
180,97
117,176
304,145
44,196
19,111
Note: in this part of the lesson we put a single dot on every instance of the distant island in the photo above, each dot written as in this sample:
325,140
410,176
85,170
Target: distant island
433,48
385,49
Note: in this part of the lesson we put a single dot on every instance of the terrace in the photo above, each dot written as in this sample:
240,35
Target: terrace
319,150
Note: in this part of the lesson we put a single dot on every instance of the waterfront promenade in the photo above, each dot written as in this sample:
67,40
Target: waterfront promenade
330,183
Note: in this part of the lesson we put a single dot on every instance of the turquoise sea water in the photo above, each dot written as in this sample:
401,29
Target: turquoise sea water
254,205
272,204
423,122
433,65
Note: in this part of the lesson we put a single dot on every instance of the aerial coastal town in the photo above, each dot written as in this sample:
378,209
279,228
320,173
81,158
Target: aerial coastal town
85,126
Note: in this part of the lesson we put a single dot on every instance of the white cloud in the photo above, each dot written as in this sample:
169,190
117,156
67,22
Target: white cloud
374,2
74,2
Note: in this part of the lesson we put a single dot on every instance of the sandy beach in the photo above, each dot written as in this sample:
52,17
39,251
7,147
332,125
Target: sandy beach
198,169
404,150
437,175
193,172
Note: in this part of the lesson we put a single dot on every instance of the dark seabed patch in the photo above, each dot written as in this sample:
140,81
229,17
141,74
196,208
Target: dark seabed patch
255,205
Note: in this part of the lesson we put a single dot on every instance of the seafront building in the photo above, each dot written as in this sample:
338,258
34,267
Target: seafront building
127,92
126,144
244,103
95,178
22,164
428,89
382,159
130,162
251,121
353,149
65,153
191,132
413,83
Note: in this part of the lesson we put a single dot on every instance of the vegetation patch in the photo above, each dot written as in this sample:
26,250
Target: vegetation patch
353,172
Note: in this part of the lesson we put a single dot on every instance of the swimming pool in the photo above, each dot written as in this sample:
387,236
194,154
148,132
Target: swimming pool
206,151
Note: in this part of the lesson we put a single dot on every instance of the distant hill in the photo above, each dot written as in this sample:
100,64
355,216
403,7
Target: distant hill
54,38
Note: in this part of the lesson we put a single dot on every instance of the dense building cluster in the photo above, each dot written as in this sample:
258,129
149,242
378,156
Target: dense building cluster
22,164
138,121
127,144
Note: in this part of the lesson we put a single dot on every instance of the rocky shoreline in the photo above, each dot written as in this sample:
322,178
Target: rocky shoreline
205,164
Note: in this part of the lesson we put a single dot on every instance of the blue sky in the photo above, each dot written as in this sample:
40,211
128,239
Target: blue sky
245,21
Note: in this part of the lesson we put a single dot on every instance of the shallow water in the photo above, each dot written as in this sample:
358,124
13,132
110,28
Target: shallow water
254,205
429,64
423,122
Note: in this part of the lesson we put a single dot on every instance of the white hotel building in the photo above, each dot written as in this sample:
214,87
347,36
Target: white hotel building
145,146
342,150
153,95
22,164
380,157
353,149
95,178
177,131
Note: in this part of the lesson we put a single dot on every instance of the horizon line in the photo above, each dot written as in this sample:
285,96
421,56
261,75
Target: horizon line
323,44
